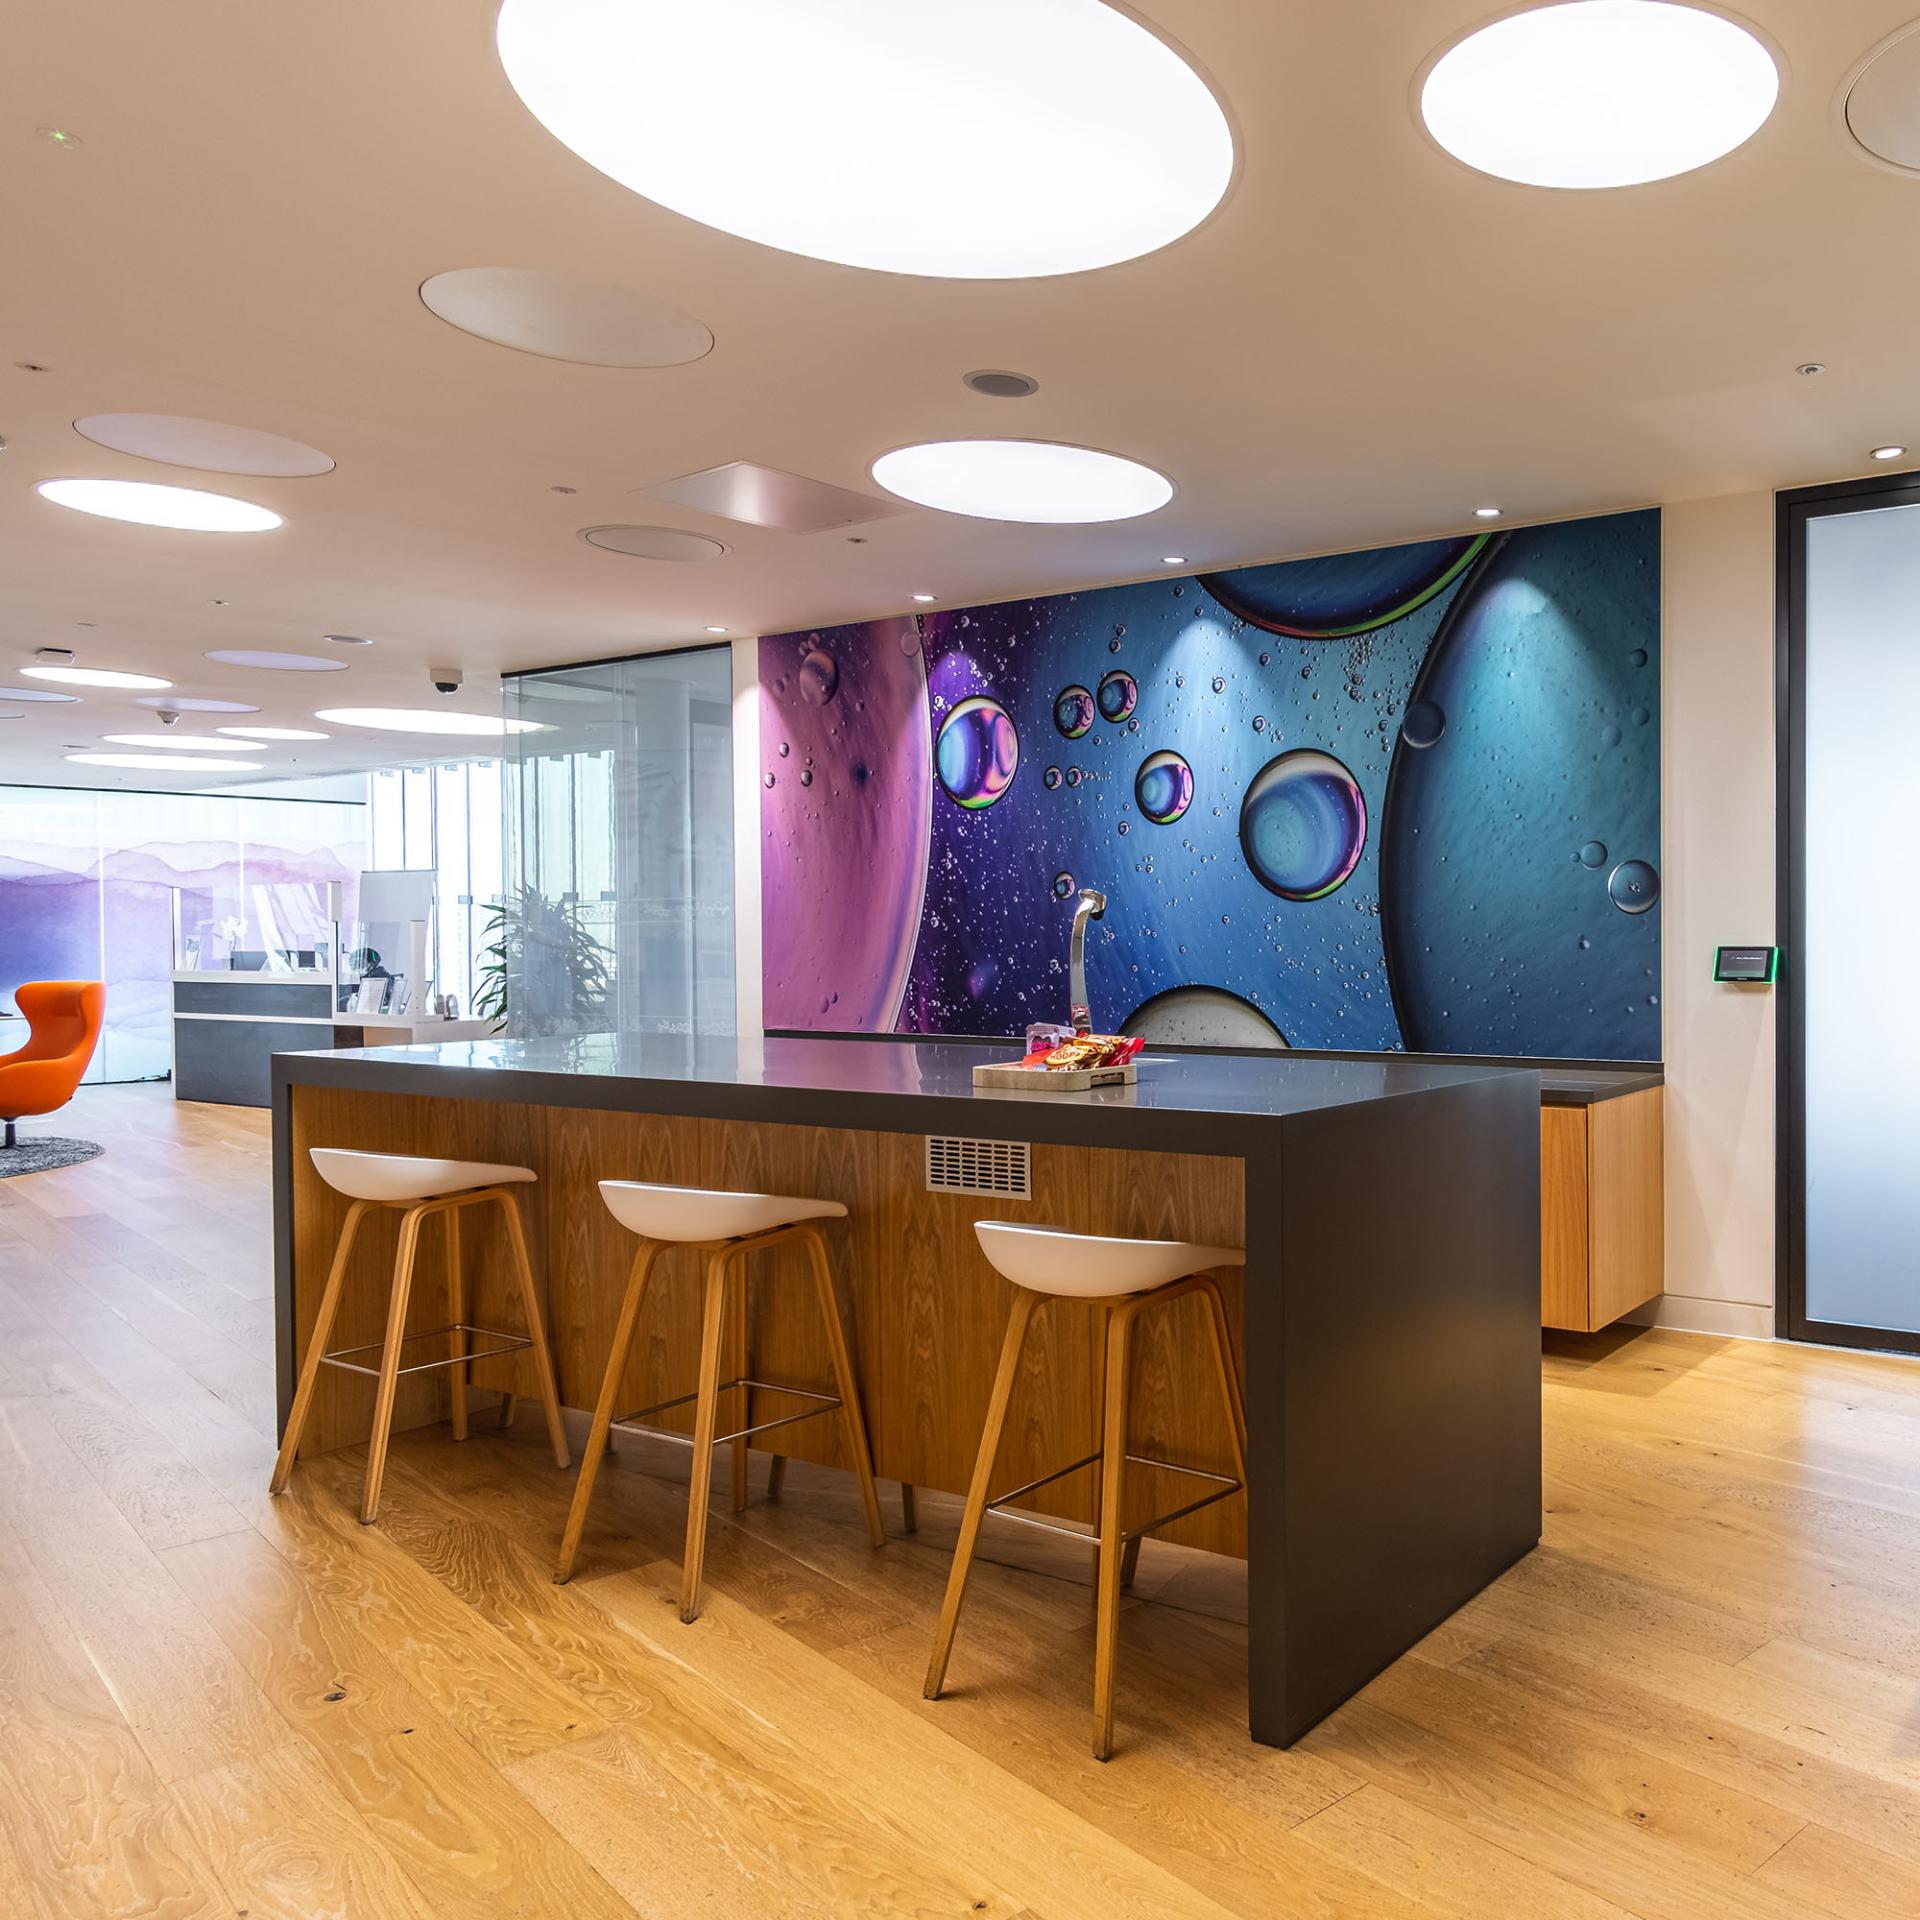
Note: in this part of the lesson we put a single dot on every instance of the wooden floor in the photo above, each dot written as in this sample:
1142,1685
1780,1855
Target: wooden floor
1700,1697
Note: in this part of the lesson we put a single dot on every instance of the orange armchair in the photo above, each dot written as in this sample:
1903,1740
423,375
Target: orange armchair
63,1028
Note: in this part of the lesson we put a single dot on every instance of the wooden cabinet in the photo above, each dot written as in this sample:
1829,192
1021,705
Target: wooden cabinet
1602,1210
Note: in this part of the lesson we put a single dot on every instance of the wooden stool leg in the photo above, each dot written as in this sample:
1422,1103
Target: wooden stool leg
705,1423
603,1411
1112,1488
777,1477
1229,1378
909,1509
848,1388
978,1490
1102,1320
741,1399
390,1364
536,1329
316,1346
457,1313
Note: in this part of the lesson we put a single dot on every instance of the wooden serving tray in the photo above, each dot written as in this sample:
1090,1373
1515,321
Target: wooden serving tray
1010,1076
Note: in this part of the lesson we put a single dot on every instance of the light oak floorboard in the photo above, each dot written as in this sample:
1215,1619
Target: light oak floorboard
1699,1698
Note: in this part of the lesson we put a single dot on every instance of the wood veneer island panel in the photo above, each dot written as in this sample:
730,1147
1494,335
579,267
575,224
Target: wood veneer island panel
1386,1325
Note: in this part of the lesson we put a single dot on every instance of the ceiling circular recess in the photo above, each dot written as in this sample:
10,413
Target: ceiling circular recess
1045,136
94,677
253,735
426,720
185,703
1036,481
34,693
211,446
165,763
653,543
1883,103
268,662
560,317
1599,93
189,742
147,504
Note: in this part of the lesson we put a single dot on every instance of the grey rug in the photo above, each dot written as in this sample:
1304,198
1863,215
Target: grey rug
41,1156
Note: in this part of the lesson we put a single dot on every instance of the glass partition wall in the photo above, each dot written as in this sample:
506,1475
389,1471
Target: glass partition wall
618,908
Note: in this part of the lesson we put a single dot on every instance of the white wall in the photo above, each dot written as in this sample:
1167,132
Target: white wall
1717,887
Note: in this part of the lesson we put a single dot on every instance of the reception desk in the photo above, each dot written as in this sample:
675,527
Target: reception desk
1386,1323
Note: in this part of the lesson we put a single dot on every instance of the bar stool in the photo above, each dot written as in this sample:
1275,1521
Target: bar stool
417,1187
726,1227
1120,1280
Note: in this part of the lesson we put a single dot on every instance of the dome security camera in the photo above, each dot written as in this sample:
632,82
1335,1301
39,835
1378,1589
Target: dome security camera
445,679
169,716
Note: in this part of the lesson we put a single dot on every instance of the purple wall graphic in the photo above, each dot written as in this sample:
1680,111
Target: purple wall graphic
86,882
1401,798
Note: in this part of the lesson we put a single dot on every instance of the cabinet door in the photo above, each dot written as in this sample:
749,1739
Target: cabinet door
1563,1219
1628,1205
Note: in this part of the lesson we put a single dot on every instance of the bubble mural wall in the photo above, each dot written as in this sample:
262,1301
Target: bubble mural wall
1400,799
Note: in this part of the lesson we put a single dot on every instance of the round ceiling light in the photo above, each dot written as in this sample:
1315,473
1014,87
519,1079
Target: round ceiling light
1599,93
164,763
209,445
425,720
653,543
276,662
997,384
190,743
559,317
34,693
93,677
252,735
184,703
1074,137
147,504
1038,481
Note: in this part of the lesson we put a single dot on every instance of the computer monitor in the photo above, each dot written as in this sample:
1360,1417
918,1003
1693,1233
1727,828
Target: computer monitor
247,960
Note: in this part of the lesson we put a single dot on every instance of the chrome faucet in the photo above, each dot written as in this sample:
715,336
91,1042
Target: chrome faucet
1090,906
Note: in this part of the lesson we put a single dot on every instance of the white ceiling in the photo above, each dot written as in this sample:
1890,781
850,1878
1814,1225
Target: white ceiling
1365,342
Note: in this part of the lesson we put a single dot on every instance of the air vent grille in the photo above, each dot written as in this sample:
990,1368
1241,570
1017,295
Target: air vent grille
1003,1168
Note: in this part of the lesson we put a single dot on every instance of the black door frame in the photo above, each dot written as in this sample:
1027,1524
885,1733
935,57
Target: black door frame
1792,512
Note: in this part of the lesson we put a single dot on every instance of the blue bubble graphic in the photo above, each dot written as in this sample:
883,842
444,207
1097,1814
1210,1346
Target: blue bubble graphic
1633,886
1119,694
1163,787
1073,712
1303,824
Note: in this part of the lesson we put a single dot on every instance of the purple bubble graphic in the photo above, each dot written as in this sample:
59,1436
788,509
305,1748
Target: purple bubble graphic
1119,694
977,752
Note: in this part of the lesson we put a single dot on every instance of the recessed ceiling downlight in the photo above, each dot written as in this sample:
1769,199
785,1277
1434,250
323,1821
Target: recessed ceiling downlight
93,677
1599,93
559,317
1073,137
212,446
425,720
164,762
147,504
268,662
1037,481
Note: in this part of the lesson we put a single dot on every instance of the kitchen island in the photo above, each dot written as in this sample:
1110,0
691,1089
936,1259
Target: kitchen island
1386,1325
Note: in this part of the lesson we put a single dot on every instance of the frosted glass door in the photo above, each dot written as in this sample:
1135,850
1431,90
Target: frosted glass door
1856,973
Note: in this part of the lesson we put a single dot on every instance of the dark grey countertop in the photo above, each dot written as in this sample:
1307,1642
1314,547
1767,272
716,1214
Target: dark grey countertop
1189,1102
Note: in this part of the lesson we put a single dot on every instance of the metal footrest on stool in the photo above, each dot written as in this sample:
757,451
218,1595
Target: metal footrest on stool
1225,1484
828,1403
509,1343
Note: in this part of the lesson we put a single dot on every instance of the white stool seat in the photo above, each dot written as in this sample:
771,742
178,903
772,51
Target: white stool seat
700,1215
1089,1266
405,1176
